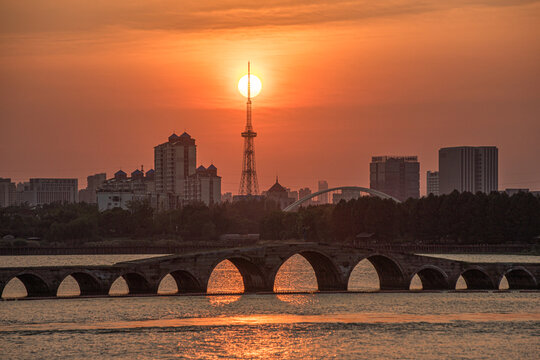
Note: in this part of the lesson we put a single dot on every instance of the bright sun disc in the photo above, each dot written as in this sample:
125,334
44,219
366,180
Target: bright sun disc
256,85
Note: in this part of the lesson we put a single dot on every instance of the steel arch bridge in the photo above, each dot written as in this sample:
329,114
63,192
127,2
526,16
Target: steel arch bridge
380,194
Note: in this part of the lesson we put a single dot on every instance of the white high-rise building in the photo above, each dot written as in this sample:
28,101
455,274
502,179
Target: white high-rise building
432,183
469,168
174,162
177,180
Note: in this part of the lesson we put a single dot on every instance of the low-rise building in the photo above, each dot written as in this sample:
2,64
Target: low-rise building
42,191
279,194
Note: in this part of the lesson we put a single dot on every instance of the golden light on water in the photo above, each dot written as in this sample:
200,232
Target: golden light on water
256,85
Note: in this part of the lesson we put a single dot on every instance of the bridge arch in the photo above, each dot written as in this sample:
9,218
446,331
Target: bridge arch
476,278
136,283
373,192
432,278
252,275
185,281
34,284
519,278
391,276
326,272
88,283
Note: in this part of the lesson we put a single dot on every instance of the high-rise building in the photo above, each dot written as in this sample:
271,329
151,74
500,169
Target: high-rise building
8,196
432,183
398,176
323,198
177,180
174,162
469,168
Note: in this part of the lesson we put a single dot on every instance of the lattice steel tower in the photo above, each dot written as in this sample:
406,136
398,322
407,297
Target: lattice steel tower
248,183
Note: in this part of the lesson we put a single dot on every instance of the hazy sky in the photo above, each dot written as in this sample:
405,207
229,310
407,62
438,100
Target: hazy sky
92,86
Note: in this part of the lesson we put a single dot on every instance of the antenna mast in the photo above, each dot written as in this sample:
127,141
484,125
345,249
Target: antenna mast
248,182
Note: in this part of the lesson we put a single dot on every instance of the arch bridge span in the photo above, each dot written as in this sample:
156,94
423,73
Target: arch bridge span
259,265
373,192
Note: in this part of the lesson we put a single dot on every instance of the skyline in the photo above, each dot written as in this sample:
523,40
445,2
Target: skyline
86,94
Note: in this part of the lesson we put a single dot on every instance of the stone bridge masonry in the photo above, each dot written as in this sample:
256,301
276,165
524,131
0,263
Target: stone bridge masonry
260,264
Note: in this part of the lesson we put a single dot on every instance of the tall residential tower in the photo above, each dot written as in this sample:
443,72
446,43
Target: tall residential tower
469,168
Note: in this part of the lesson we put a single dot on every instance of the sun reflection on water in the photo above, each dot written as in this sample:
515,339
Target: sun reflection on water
222,300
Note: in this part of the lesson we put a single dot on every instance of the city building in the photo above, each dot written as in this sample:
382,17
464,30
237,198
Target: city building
345,195
227,197
137,183
48,190
93,183
468,168
302,193
204,186
174,161
279,194
323,198
515,191
8,193
293,194
178,180
121,189
111,199
432,183
398,176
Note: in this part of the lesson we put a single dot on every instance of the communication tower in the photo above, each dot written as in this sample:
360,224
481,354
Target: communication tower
248,182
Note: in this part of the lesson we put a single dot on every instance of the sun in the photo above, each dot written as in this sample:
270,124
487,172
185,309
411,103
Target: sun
256,85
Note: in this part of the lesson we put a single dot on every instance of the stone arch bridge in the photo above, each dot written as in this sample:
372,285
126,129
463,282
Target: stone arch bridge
259,265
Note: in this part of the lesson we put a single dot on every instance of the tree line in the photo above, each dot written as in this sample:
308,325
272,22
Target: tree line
454,218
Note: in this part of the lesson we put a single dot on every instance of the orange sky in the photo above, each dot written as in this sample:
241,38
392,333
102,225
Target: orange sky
92,86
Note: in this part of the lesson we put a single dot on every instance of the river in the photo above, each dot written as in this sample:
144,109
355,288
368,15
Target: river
360,325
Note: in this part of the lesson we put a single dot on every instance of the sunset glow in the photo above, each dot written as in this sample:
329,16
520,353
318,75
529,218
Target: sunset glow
256,85
390,78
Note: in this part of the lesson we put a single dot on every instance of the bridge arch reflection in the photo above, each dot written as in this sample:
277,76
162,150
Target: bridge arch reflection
519,278
35,285
185,282
252,276
295,275
326,271
136,284
88,284
432,278
477,279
